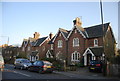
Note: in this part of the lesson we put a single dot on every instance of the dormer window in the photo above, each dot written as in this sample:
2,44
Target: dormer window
60,44
75,42
95,42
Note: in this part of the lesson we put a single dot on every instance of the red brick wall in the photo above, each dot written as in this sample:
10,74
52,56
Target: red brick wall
28,51
90,42
80,48
63,49
43,49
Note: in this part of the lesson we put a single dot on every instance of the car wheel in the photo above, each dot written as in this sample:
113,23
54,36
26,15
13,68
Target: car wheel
21,68
41,72
15,67
29,69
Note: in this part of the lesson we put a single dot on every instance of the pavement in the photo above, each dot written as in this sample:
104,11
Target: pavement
83,73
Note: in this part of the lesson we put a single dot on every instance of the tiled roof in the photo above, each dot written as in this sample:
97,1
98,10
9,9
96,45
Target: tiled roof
51,41
97,51
65,32
40,41
32,43
96,31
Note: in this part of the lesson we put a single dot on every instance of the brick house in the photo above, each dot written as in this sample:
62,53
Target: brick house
60,44
27,44
80,45
50,45
42,48
23,46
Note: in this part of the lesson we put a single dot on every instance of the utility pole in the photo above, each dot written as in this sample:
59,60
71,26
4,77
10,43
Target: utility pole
104,62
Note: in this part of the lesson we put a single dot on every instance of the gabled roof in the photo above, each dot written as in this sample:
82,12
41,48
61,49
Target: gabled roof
40,41
50,52
80,31
24,43
63,32
96,31
32,43
51,41
91,32
97,51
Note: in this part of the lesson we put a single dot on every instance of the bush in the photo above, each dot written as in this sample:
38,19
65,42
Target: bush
79,64
22,55
48,59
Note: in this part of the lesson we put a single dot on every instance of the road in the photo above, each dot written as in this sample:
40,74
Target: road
11,73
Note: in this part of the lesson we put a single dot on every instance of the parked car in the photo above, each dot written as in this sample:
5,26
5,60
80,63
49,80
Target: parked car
41,67
22,63
1,63
95,66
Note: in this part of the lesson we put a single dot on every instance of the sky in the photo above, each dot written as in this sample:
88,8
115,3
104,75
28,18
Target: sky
21,19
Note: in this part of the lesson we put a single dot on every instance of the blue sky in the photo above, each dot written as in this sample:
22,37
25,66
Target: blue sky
21,19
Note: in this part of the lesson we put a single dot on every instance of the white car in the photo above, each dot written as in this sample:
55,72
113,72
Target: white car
1,63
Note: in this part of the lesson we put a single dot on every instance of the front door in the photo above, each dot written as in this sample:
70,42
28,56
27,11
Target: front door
89,58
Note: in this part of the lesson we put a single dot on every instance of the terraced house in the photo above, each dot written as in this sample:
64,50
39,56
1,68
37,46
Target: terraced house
37,48
78,45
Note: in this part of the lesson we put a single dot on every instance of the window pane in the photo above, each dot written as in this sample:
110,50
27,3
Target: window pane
75,56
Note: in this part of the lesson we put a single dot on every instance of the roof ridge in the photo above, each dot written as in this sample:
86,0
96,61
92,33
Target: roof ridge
97,25
63,29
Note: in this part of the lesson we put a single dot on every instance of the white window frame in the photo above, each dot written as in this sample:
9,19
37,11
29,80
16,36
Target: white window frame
74,55
23,48
28,48
51,46
75,42
60,43
75,31
95,42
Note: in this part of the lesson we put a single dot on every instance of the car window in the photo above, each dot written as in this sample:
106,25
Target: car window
35,63
25,61
40,63
47,63
95,62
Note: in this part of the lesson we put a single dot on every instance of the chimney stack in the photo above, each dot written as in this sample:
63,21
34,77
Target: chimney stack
50,35
77,22
36,35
